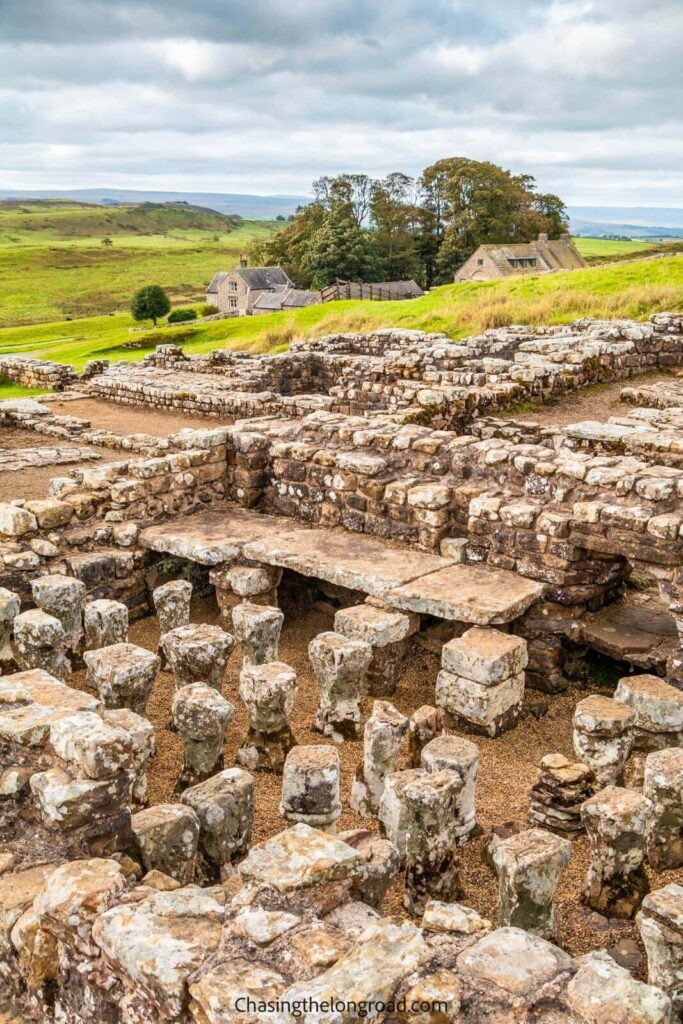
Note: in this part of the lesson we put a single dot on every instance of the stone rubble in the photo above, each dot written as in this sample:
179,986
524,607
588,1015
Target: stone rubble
555,799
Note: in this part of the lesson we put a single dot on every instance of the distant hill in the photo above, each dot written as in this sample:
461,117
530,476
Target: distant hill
69,219
248,206
630,221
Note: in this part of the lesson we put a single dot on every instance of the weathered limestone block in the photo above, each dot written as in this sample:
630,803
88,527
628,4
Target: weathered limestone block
258,628
201,715
256,584
603,992
74,897
310,786
603,737
122,675
224,805
454,918
40,642
663,786
425,724
382,741
221,993
390,950
91,745
10,606
198,654
432,870
617,821
387,632
98,808
15,521
340,666
382,865
658,710
660,922
172,604
490,710
481,684
167,836
152,946
515,961
62,596
393,815
555,799
461,756
486,656
268,692
17,893
141,733
529,867
105,623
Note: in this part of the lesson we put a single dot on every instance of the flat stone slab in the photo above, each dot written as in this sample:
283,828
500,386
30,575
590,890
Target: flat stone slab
299,857
468,593
210,538
350,560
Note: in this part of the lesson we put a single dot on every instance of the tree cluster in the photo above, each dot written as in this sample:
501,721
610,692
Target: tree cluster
362,229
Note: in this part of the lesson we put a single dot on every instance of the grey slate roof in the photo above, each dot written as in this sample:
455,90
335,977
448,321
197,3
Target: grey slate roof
263,278
286,298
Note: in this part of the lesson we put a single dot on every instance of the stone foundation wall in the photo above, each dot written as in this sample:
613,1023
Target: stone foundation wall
37,373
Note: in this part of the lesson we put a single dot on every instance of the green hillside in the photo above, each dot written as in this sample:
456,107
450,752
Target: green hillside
54,265
602,250
629,289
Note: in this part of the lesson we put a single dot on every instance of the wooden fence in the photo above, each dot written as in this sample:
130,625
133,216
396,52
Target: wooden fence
358,290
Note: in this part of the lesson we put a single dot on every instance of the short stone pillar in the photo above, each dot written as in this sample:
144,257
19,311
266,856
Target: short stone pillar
310,787
172,604
660,922
603,737
40,642
10,606
424,725
616,821
382,865
663,786
461,756
62,596
122,675
432,869
382,740
198,654
481,683
529,867
224,805
201,716
387,632
658,711
268,692
258,628
105,623
393,817
236,583
141,732
167,836
339,665
556,797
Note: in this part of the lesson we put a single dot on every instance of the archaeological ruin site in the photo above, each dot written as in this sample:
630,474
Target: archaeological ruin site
346,683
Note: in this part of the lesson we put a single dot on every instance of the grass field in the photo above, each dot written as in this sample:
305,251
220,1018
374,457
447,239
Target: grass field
53,263
601,250
629,289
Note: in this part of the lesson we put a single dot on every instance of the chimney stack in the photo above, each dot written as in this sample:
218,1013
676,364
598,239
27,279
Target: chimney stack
243,260
543,237
564,237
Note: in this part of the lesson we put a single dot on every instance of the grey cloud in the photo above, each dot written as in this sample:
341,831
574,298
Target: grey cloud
227,93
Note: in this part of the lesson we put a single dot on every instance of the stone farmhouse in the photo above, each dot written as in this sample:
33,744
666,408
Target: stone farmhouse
248,290
542,256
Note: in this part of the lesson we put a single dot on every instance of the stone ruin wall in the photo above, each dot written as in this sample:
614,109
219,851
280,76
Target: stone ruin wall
37,373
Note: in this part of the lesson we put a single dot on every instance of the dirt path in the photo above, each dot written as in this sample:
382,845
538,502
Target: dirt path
131,419
594,403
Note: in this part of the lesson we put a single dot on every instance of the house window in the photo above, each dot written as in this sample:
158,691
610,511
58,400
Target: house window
233,286
525,261
233,303
480,263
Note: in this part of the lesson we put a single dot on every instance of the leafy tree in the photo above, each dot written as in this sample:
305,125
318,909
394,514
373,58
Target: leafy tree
394,217
149,303
340,248
107,241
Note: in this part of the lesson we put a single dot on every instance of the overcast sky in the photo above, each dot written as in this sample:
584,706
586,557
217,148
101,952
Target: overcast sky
263,96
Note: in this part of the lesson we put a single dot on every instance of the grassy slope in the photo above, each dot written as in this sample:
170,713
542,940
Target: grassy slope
629,289
602,250
53,263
